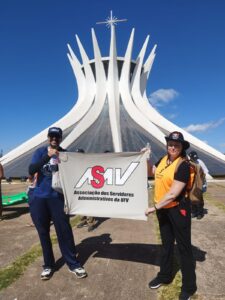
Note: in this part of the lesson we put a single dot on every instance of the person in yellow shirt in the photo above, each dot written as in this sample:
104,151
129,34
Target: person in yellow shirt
172,206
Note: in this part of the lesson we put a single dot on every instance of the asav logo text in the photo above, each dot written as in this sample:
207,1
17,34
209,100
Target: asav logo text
97,176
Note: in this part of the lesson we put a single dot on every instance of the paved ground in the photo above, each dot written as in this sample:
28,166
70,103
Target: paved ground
208,236
120,256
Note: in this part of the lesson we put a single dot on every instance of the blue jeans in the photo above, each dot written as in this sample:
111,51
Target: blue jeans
43,211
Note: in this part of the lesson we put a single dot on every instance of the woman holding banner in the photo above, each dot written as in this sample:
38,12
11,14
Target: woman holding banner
172,207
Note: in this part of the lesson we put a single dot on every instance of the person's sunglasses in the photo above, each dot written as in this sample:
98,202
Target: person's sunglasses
174,145
56,137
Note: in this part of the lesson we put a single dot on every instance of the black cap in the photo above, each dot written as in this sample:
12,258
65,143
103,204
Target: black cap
193,155
178,137
55,131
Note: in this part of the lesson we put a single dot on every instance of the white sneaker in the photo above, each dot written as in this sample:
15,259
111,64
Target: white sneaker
46,274
79,272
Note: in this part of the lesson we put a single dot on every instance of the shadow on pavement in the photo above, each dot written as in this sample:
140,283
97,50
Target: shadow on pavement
199,255
11,212
100,246
59,264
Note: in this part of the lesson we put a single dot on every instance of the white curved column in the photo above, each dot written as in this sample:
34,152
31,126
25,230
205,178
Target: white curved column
113,94
135,81
146,70
128,103
125,72
139,79
78,73
136,78
97,106
89,76
99,67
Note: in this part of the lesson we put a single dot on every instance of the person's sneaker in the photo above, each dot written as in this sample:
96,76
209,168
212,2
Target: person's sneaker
156,283
46,274
91,228
185,296
200,216
79,272
82,224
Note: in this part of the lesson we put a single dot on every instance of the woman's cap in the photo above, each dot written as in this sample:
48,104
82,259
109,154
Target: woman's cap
178,137
55,131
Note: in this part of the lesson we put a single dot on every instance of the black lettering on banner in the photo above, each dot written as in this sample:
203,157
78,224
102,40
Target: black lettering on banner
104,193
124,199
116,199
121,197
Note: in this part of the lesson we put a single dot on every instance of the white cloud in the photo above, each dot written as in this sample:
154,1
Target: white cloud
204,126
162,97
172,116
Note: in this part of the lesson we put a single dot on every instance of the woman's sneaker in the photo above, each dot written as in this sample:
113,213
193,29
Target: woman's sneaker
79,272
156,283
46,274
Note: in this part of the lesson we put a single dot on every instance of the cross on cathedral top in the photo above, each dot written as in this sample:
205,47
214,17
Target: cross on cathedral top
111,21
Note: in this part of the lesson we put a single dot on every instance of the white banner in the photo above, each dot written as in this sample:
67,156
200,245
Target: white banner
112,185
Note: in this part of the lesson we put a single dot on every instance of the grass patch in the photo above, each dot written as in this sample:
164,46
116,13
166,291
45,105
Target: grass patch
171,291
214,202
74,221
13,271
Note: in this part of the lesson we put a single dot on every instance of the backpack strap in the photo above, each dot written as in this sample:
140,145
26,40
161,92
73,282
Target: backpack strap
191,180
180,161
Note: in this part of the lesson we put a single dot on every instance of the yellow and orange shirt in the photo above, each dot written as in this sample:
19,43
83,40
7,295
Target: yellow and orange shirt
165,175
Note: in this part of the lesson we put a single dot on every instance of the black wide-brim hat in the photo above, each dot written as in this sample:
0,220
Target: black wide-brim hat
178,137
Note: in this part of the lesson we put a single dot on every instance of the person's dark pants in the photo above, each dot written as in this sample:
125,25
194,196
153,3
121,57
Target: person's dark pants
43,211
197,208
175,226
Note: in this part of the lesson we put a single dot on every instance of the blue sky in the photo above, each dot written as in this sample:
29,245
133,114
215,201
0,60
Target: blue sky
186,84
